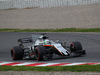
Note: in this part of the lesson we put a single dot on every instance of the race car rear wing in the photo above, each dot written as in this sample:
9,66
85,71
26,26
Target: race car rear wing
33,38
25,40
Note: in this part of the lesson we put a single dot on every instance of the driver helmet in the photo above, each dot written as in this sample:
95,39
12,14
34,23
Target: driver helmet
46,41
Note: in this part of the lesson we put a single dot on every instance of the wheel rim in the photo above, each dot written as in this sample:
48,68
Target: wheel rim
37,54
72,47
12,54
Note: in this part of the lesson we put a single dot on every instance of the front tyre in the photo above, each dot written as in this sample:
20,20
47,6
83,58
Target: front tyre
17,53
76,49
75,46
40,52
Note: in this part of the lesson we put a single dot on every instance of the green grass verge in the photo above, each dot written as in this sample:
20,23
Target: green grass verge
82,68
53,30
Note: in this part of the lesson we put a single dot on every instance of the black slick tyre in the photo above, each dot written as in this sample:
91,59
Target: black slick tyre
17,53
75,46
40,51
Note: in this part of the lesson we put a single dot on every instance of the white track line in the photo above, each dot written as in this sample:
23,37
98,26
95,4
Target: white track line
23,64
72,64
48,64
3,63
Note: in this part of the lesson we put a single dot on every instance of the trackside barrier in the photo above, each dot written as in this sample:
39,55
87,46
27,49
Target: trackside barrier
11,4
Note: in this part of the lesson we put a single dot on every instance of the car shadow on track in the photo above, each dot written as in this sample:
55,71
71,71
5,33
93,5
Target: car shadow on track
55,58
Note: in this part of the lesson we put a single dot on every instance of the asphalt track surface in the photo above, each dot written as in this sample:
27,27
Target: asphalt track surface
90,43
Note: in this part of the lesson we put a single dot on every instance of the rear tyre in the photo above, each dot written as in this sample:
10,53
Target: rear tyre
17,53
75,46
40,52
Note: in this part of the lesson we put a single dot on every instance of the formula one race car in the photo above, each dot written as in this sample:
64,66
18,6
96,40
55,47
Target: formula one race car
42,48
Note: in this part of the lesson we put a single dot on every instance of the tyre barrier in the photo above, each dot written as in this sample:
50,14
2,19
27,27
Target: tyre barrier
45,64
